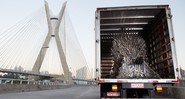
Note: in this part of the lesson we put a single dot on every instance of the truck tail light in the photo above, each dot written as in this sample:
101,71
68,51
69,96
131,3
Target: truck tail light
155,81
101,9
176,81
119,81
159,88
164,6
114,88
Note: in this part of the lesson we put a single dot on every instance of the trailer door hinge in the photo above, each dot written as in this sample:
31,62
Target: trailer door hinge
170,16
97,41
173,39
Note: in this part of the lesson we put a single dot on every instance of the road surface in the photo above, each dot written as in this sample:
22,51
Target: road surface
75,92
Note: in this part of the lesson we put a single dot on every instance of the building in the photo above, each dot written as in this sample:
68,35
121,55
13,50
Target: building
81,73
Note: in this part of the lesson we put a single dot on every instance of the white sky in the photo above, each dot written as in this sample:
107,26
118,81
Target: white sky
82,14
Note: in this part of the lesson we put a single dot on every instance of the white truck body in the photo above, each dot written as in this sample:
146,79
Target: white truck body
158,65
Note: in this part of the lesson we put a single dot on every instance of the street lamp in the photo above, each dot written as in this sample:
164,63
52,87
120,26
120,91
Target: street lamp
41,54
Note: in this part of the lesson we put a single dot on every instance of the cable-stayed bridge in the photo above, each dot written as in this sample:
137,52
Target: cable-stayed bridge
44,45
41,51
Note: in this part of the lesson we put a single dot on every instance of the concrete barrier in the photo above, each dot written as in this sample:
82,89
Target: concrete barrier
21,88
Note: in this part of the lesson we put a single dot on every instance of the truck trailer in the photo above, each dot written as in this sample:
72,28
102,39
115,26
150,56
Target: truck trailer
135,51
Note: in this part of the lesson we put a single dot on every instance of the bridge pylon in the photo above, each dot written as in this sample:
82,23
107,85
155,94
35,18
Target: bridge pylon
53,31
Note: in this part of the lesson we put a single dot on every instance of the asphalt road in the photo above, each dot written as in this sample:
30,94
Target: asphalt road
75,92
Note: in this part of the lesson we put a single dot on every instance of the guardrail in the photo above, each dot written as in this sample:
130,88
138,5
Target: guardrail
45,82
28,82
